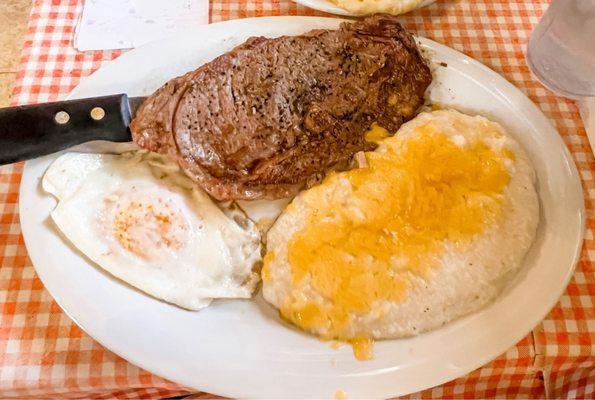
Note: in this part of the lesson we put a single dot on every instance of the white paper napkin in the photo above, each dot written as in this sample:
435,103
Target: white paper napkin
122,24
587,109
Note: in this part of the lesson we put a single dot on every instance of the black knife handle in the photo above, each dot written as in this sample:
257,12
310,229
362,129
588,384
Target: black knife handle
35,130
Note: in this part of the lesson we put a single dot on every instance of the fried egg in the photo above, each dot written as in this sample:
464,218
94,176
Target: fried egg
431,228
139,218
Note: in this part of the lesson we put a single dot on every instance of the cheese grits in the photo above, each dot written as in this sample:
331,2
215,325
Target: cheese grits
430,229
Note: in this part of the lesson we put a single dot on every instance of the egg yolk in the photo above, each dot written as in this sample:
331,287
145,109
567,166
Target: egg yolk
144,227
368,229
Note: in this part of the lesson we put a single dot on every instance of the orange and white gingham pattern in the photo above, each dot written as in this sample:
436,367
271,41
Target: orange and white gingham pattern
42,352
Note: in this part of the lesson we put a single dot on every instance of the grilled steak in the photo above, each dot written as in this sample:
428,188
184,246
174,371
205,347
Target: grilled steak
273,115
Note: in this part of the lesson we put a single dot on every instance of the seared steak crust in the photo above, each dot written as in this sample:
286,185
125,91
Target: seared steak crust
273,115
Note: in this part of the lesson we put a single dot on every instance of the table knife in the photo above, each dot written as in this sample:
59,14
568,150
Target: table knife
35,130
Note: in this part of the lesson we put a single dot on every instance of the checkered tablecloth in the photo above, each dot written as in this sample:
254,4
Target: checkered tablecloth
44,354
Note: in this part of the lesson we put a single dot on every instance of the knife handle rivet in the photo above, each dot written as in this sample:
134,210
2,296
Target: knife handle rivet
97,113
61,117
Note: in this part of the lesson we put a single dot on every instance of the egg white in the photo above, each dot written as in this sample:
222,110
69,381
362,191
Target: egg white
139,218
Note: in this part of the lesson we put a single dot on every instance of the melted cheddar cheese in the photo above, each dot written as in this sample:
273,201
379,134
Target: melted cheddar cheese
376,133
369,229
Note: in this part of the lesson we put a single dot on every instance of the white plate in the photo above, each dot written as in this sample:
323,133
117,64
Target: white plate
329,7
240,348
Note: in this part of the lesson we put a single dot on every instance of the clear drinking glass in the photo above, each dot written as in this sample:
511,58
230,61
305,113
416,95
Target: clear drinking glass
561,51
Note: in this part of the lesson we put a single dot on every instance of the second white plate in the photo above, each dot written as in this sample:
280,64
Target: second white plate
241,348
331,8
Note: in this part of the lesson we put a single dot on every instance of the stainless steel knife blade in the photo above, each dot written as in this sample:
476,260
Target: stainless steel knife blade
134,104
